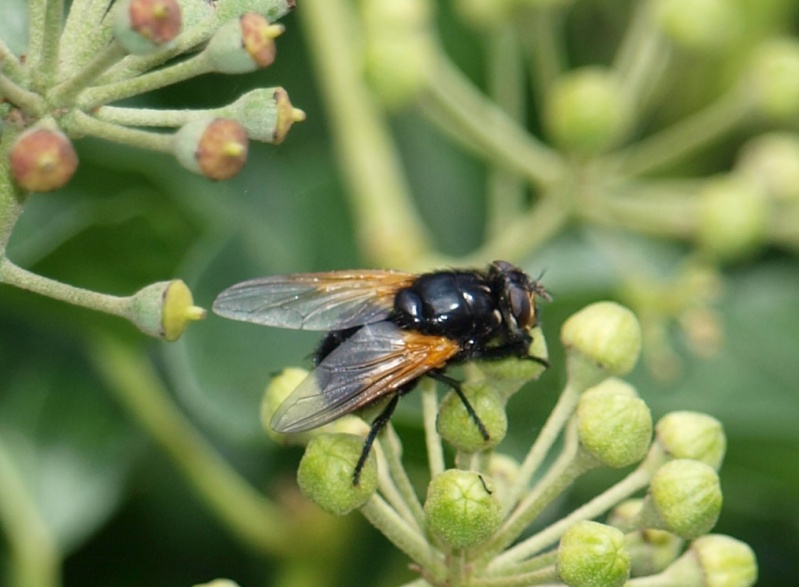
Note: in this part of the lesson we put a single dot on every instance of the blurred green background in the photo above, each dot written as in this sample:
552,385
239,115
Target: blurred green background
120,510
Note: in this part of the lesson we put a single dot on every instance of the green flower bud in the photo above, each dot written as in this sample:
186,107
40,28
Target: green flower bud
587,111
685,498
507,376
614,428
691,435
699,25
604,335
593,555
612,386
216,148
145,26
399,48
733,213
244,44
276,393
652,550
326,470
725,561
164,309
458,428
219,583
462,508
772,160
775,78
42,160
266,114
483,14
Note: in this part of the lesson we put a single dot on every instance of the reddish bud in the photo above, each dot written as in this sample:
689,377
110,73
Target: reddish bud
259,38
215,148
156,20
43,160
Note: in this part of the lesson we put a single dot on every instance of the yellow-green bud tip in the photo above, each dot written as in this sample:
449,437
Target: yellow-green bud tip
164,309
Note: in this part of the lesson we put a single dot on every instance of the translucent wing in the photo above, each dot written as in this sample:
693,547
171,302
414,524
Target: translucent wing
314,301
374,362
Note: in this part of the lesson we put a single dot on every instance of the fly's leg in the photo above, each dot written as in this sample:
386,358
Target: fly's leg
456,386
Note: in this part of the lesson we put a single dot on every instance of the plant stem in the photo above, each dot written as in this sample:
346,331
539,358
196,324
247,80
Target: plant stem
686,136
251,517
544,25
79,123
435,450
393,450
451,99
151,116
192,67
10,63
505,189
66,91
539,577
390,231
413,544
635,481
14,275
34,560
30,103
45,63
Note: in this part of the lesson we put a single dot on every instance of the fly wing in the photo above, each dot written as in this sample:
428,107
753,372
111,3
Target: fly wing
374,362
334,300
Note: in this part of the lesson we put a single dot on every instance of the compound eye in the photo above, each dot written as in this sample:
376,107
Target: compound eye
520,306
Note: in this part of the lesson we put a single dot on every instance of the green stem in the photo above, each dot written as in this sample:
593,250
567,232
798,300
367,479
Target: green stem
30,103
11,274
389,229
571,463
694,132
539,577
192,67
37,10
435,450
84,32
451,99
34,560
564,408
79,123
45,64
66,91
544,43
151,116
505,189
393,451
11,198
389,490
251,517
413,544
10,63
600,504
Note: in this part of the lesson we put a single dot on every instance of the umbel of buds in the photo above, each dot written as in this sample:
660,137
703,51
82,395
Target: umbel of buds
478,511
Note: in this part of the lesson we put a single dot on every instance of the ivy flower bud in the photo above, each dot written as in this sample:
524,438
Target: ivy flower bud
684,498
772,160
219,583
216,148
266,114
462,508
612,386
164,309
326,469
244,44
484,14
507,376
458,428
593,555
276,393
144,26
691,435
775,78
614,428
725,561
733,213
42,160
587,111
603,335
699,25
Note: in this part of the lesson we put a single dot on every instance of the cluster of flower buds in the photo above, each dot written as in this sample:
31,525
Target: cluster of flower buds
109,56
475,519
